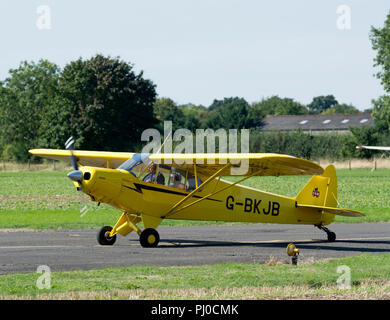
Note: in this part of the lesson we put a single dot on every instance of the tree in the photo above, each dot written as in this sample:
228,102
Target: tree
230,113
380,39
341,109
26,97
276,106
103,104
194,116
321,103
165,109
214,120
365,135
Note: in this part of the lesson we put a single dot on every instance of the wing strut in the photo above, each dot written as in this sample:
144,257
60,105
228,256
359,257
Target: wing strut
213,193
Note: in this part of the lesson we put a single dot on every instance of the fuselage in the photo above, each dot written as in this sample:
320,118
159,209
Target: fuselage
236,203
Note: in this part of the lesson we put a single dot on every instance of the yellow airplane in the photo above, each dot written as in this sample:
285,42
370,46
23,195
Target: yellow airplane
153,187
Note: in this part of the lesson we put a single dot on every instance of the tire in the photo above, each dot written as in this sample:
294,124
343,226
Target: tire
103,238
149,238
331,237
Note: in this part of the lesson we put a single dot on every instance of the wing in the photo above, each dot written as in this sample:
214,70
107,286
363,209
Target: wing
338,211
86,158
373,148
259,164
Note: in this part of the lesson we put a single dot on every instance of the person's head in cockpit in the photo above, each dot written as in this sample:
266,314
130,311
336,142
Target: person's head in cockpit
151,177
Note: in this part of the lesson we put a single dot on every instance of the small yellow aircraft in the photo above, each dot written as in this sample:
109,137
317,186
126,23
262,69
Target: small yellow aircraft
153,187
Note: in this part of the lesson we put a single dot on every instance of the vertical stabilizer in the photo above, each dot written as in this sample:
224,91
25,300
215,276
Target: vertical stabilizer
320,190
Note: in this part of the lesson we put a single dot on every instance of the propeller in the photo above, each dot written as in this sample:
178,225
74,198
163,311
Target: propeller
75,175
69,145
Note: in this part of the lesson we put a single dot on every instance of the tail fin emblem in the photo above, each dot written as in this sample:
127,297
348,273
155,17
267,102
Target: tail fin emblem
316,193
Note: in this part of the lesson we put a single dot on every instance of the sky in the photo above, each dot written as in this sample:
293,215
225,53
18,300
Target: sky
198,51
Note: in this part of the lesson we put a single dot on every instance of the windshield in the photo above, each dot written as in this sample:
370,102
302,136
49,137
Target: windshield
136,164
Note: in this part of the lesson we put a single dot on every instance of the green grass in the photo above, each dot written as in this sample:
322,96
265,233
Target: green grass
47,199
179,281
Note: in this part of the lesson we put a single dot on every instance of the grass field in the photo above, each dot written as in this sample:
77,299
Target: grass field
369,279
48,200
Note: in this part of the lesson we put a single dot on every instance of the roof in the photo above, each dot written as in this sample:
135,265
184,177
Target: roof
316,122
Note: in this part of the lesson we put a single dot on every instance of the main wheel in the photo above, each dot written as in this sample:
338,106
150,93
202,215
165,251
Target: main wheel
149,238
103,238
331,236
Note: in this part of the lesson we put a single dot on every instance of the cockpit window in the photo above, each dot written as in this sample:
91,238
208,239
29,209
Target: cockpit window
176,178
136,164
192,183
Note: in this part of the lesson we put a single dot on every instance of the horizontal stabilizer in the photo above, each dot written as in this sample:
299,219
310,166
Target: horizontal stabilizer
336,211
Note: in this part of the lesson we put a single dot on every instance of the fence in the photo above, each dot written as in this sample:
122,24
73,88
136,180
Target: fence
381,163
49,165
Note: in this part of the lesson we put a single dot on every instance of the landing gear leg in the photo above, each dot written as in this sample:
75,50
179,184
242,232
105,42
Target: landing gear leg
331,235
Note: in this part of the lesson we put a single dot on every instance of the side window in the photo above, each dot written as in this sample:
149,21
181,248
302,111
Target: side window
191,183
176,179
154,174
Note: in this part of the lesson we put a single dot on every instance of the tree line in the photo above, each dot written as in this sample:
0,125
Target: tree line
105,105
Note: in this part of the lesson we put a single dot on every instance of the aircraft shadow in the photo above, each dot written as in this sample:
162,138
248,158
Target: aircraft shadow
315,244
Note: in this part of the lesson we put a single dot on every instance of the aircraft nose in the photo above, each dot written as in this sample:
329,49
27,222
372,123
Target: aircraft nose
75,175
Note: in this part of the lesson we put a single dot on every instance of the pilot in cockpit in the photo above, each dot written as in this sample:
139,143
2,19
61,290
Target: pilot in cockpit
175,181
151,177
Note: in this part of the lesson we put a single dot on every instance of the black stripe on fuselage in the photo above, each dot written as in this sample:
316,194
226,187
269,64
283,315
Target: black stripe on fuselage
139,188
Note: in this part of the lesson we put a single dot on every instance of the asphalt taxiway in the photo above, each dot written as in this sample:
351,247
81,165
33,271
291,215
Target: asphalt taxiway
65,250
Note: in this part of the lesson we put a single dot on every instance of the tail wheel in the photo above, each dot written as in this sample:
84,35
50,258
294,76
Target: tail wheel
103,236
331,236
149,238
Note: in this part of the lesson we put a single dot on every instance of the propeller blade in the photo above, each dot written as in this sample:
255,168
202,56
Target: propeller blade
69,145
76,175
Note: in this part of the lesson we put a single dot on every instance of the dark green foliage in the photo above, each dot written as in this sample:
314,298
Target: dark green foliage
231,113
103,104
380,39
15,152
100,101
322,103
341,109
276,106
325,146
166,109
26,97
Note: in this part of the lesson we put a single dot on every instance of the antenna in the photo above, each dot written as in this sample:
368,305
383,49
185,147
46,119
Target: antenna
165,140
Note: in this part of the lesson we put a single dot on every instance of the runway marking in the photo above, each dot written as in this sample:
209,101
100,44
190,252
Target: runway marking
39,247
311,240
196,243
270,241
377,238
